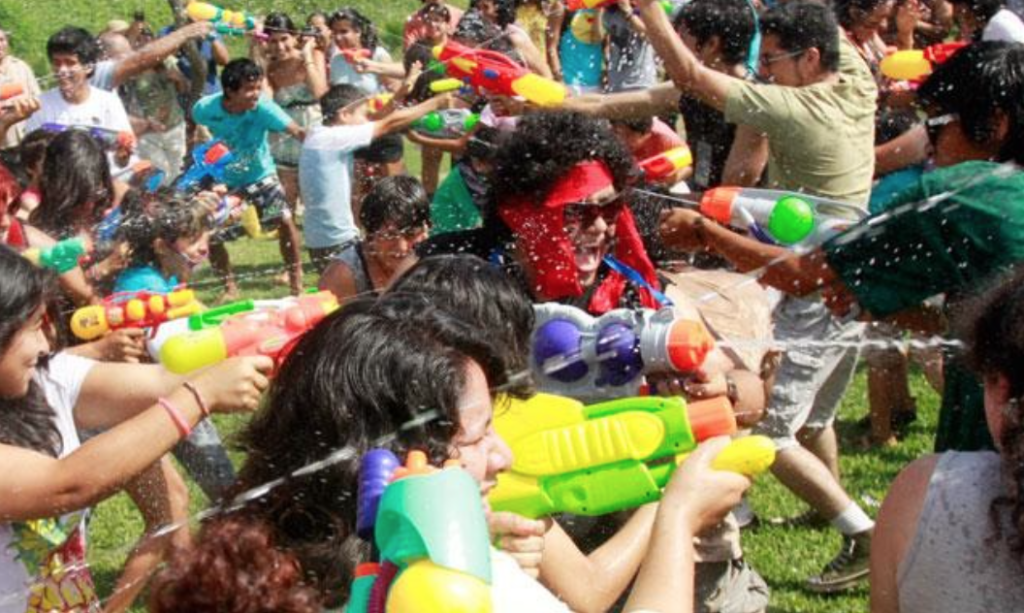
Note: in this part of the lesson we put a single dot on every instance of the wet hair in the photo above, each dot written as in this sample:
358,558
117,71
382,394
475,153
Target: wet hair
233,566
75,41
279,22
367,31
642,124
475,31
435,10
32,149
386,373
484,143
238,72
26,422
732,21
338,97
983,10
481,293
993,326
506,11
546,145
164,215
803,24
399,201
844,10
978,83
75,185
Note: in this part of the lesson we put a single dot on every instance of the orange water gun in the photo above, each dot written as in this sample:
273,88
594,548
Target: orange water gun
662,166
132,310
264,332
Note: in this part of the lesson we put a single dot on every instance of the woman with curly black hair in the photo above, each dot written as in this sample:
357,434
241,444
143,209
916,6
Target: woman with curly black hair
950,535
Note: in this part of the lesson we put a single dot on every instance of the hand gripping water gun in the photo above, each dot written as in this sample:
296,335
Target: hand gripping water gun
204,11
663,165
429,528
132,310
598,459
578,355
60,258
209,162
448,123
489,70
10,90
916,64
260,332
108,139
779,217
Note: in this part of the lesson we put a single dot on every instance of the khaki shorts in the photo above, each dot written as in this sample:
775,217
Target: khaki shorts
729,587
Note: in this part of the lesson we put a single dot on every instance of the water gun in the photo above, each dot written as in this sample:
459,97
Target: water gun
449,123
141,175
916,64
60,258
10,90
353,55
577,5
449,84
430,538
204,11
110,140
780,217
260,332
595,358
132,310
491,71
599,459
209,162
378,102
664,165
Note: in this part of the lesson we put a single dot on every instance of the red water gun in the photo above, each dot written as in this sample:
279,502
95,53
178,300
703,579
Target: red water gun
10,90
132,310
659,167
916,64
353,55
491,71
267,332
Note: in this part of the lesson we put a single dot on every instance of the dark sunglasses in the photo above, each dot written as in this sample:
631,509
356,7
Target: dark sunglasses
585,213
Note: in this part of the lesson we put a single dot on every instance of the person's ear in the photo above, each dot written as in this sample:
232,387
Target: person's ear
1000,127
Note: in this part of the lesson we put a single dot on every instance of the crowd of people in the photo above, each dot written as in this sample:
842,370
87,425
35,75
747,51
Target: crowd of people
438,276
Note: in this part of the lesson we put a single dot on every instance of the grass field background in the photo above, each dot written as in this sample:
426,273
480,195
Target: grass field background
784,556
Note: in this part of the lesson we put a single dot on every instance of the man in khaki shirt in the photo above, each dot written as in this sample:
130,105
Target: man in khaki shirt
14,70
817,110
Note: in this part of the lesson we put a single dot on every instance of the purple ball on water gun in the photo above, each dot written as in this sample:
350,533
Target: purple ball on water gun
375,472
556,351
618,355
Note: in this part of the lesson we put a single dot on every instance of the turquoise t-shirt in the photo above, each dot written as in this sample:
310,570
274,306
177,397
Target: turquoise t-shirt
245,134
144,279
582,49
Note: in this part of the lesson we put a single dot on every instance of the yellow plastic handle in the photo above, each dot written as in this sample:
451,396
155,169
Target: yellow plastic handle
750,456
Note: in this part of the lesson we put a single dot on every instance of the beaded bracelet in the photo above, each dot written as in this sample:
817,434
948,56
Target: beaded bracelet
199,398
177,417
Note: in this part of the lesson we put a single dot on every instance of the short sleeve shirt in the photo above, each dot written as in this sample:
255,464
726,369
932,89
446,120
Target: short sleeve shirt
909,253
820,137
13,70
342,72
245,134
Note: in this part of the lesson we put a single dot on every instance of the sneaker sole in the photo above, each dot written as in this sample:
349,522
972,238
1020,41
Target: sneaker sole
838,586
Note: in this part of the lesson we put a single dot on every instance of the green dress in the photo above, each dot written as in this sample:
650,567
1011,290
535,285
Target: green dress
955,231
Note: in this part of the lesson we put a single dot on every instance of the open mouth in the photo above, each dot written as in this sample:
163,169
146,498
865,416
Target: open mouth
588,257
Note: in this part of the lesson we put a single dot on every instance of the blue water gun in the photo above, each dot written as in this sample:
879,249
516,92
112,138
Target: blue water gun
209,162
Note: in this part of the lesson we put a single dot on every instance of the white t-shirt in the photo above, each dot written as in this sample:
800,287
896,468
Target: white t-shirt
102,109
1004,26
325,182
42,562
513,591
343,72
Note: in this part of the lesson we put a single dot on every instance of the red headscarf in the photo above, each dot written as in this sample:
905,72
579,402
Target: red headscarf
541,230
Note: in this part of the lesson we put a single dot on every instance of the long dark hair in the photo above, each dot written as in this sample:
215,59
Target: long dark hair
367,31
165,215
372,374
75,186
994,330
28,421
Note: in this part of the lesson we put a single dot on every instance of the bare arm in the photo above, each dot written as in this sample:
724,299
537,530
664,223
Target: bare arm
531,54
683,67
113,393
662,98
905,150
315,64
221,55
403,118
158,50
553,36
894,531
747,158
608,569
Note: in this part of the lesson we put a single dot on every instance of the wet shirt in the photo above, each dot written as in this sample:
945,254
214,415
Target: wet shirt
245,134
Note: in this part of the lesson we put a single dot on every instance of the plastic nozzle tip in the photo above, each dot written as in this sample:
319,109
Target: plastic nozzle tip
10,90
438,51
201,11
717,203
215,153
711,417
689,343
432,122
791,220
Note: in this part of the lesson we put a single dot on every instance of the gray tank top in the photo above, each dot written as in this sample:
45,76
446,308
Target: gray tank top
953,564
352,256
